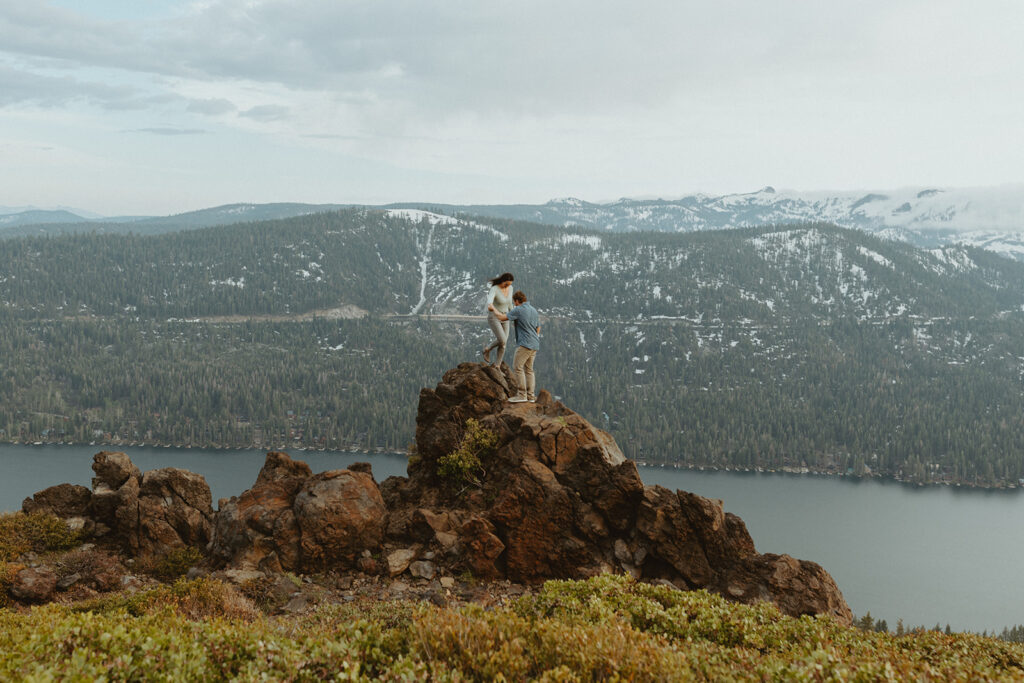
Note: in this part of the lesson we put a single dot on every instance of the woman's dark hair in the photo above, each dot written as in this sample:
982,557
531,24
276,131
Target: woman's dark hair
504,277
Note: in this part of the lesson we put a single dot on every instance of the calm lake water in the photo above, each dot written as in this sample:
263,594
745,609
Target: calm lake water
926,555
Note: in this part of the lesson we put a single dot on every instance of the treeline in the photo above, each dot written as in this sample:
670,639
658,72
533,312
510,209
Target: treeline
372,259
783,347
842,398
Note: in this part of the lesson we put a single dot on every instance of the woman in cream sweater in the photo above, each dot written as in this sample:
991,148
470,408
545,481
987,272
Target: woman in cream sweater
499,296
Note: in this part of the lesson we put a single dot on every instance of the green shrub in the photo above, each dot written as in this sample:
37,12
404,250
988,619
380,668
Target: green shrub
606,628
174,564
7,572
198,599
38,532
463,465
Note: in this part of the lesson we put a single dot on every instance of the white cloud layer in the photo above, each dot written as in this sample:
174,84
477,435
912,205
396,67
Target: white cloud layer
371,100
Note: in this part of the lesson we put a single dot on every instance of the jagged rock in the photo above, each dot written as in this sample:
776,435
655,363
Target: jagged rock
113,469
261,522
557,499
481,548
554,498
340,513
33,585
62,500
174,510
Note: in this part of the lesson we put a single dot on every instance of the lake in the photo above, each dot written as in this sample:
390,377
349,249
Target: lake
924,554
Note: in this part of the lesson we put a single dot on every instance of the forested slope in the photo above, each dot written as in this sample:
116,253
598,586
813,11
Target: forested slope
787,346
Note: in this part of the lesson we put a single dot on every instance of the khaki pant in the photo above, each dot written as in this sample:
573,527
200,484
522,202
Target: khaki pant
522,370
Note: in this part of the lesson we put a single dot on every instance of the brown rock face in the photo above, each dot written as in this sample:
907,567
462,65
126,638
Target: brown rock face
340,514
293,520
113,469
554,497
147,515
63,500
259,527
174,510
558,500
34,584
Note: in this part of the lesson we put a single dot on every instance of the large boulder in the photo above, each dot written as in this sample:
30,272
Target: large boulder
340,514
294,520
258,529
556,498
174,510
63,500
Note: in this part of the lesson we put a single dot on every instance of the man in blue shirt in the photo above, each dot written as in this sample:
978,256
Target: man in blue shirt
527,326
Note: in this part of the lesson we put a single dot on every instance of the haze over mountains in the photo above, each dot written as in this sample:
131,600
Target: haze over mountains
992,218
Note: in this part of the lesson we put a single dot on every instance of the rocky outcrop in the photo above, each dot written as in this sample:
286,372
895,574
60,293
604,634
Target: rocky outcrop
258,529
552,496
296,521
557,499
174,510
63,500
144,514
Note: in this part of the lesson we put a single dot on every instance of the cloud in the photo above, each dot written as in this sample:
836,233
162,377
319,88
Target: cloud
20,86
211,107
266,113
169,131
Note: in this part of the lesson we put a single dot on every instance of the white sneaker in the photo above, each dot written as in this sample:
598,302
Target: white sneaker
518,399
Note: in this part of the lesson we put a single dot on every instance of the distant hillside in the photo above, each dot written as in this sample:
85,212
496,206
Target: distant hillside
35,217
992,218
785,346
27,223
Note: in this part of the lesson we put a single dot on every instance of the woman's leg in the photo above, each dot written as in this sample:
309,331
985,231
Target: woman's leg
500,330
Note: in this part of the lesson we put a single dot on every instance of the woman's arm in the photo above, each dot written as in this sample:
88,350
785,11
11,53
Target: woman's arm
497,314
491,293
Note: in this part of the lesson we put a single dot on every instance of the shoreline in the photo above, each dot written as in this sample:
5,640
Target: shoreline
790,471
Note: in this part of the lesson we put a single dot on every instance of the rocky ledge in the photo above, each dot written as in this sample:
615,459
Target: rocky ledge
504,492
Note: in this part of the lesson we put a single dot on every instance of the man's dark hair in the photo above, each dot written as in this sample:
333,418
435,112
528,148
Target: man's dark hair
519,297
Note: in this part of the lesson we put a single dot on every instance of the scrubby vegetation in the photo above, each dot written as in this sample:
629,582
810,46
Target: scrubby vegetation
174,564
463,465
37,532
607,628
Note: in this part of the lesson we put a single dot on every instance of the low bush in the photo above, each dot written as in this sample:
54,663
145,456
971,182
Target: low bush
198,599
172,565
463,465
37,532
7,572
606,628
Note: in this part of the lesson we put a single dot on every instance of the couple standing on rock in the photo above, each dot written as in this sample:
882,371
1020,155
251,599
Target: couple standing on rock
504,306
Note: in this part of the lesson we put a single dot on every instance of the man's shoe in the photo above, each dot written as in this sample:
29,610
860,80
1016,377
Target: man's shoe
518,399
532,400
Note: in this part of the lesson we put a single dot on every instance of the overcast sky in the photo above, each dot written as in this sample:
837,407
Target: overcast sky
164,106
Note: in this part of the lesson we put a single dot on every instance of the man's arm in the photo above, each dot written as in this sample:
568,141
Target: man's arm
499,316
